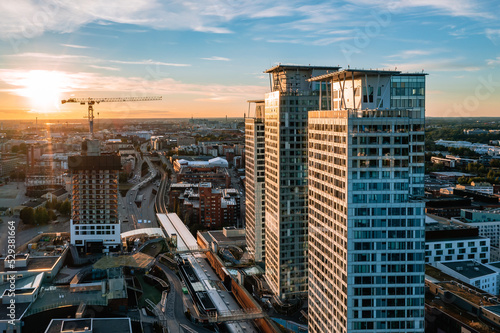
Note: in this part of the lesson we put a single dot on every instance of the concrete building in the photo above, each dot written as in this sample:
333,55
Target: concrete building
473,273
90,325
483,187
208,205
94,211
488,224
254,184
286,110
228,236
452,242
216,174
366,215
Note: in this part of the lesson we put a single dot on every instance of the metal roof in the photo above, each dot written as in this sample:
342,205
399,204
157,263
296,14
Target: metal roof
300,67
349,73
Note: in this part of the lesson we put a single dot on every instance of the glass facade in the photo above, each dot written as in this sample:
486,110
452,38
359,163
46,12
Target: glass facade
366,218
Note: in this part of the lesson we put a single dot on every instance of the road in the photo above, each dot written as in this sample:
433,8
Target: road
175,310
128,208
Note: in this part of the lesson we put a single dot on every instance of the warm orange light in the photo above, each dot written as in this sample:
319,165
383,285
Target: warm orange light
44,89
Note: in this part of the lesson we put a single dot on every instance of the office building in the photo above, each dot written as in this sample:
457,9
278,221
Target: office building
95,226
254,183
285,129
366,219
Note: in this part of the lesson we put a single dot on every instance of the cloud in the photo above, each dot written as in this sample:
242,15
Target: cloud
466,8
148,62
493,62
75,46
492,34
410,54
277,11
105,67
215,58
47,57
84,84
415,53
25,19
435,65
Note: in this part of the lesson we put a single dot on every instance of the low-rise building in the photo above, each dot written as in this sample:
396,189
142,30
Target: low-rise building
482,187
487,222
444,161
473,273
228,236
28,266
451,242
90,325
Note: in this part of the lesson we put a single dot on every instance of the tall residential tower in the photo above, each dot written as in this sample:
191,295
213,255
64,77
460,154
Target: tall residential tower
94,211
286,108
254,182
366,218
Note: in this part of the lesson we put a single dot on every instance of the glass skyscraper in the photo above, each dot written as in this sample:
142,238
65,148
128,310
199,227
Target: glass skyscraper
366,216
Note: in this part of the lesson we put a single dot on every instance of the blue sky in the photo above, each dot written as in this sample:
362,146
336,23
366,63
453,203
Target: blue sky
207,59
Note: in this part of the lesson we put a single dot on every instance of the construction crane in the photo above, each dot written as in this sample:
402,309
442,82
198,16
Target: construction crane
91,101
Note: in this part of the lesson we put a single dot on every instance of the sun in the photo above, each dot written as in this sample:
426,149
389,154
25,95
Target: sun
43,88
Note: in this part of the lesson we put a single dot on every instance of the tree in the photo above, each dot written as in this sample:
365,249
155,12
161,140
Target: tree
65,208
495,162
27,215
52,215
41,215
23,148
53,204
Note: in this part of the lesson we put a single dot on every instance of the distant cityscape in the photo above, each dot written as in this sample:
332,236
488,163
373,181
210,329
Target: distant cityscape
333,205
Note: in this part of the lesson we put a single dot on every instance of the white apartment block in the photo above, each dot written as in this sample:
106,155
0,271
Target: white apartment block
473,248
473,273
366,218
254,183
286,215
487,221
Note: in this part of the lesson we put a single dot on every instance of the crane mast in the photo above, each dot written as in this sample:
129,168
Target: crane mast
92,101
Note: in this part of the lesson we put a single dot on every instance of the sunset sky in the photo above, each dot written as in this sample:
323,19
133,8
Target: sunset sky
206,58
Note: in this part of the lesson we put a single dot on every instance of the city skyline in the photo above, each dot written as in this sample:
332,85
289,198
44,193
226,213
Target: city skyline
207,60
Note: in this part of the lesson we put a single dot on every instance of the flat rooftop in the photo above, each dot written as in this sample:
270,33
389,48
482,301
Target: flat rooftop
495,264
469,268
95,325
218,236
300,67
350,73
34,263
20,310
101,162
